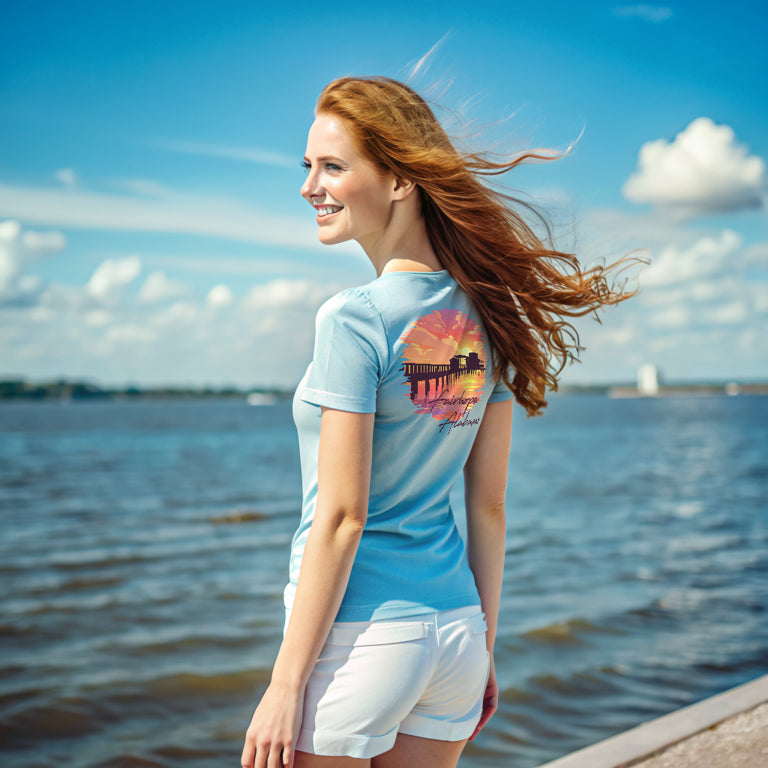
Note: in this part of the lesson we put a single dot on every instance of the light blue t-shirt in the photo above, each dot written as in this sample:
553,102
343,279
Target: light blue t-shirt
411,348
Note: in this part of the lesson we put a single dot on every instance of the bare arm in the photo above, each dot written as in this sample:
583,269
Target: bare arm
344,472
485,483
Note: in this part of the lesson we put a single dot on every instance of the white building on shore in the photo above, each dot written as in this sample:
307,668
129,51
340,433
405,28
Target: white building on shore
648,380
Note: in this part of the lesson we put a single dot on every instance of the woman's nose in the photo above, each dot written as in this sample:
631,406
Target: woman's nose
311,186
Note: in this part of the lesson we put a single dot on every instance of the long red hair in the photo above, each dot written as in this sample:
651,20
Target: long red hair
522,289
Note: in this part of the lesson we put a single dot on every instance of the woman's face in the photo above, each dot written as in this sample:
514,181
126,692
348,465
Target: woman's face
353,198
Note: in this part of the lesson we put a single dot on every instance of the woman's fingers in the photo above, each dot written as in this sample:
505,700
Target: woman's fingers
266,756
275,758
278,754
249,752
489,707
490,700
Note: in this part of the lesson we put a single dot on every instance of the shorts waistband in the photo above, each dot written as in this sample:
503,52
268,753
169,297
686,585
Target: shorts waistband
404,629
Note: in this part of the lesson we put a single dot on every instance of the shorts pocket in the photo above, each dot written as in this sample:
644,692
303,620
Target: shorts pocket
377,633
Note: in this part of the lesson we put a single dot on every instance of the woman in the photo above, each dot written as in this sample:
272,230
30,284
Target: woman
387,657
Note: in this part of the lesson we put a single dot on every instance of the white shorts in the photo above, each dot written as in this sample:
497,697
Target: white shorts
424,676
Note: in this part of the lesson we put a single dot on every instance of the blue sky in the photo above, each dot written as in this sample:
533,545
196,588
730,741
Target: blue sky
151,230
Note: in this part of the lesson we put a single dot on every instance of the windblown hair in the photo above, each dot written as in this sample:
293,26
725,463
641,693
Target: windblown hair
522,289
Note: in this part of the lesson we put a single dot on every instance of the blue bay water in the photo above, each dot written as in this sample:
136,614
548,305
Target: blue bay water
144,545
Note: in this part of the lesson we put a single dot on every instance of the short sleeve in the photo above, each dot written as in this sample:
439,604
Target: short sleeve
500,392
349,356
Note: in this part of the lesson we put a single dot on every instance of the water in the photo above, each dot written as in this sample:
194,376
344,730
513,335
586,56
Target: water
144,549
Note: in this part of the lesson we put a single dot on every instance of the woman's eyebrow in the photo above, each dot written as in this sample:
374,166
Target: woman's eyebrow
325,158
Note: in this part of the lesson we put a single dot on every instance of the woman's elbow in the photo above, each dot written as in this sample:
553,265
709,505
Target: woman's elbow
347,519
493,511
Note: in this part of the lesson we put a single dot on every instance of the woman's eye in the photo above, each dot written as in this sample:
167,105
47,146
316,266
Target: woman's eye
332,167
305,165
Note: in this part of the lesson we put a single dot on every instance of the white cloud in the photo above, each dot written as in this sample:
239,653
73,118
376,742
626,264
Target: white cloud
111,276
98,317
67,298
247,154
653,13
40,244
180,313
157,287
704,288
130,334
10,257
732,312
703,170
757,255
219,296
760,297
18,251
674,317
143,187
285,293
67,177
702,291
100,330
706,258
150,207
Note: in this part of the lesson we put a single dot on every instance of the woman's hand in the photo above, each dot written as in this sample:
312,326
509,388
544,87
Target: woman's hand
270,741
490,700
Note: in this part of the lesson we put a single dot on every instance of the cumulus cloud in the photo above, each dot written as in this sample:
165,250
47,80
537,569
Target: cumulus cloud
706,258
97,317
672,317
219,296
284,293
157,287
111,277
101,330
757,255
760,298
730,313
652,13
180,313
703,291
703,170
130,333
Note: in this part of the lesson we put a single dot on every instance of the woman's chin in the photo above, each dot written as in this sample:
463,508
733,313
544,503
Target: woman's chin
330,238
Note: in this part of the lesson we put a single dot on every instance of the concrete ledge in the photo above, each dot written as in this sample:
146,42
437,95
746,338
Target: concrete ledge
635,745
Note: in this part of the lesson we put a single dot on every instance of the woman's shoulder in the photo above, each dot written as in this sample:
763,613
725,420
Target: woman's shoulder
353,309
355,299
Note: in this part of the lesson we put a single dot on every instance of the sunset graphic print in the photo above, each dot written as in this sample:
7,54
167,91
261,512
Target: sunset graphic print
444,367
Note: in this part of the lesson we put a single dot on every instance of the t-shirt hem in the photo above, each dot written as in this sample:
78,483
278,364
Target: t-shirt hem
339,402
396,609
391,609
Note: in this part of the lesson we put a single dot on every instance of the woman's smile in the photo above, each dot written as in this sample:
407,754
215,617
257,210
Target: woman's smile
325,211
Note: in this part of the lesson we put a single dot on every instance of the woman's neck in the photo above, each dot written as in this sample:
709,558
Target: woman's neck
405,246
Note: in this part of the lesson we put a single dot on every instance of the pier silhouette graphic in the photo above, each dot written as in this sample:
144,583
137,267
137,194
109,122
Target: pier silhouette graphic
435,377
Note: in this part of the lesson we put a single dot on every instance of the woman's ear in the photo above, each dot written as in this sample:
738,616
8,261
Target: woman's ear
403,188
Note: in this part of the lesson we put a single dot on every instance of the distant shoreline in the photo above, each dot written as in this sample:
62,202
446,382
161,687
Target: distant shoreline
691,390
62,389
19,389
